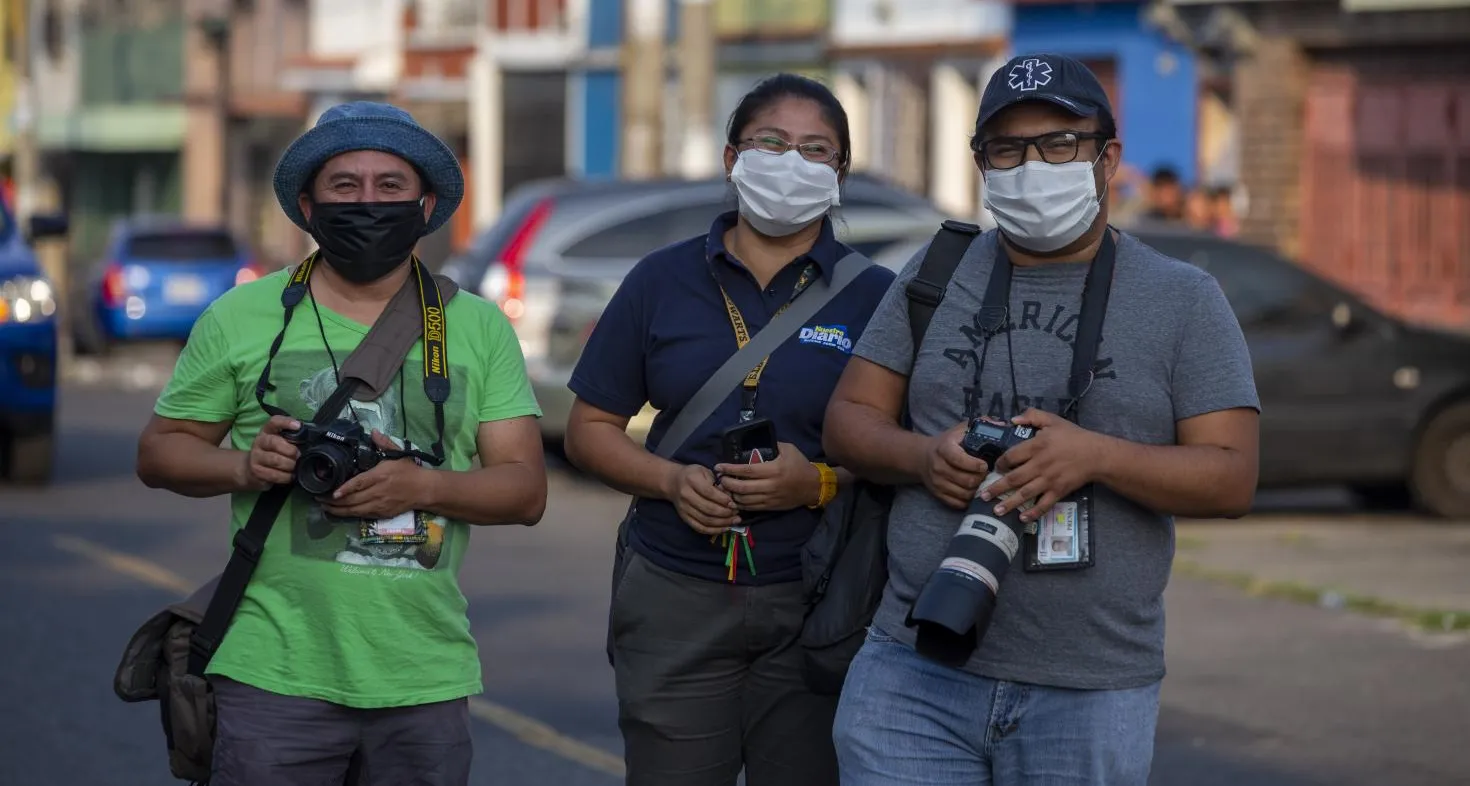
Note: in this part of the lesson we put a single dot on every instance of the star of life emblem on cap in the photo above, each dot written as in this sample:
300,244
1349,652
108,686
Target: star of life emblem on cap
1029,74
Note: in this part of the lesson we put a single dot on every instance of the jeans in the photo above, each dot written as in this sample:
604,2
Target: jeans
904,719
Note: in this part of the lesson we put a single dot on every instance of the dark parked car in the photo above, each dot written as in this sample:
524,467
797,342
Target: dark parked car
1349,396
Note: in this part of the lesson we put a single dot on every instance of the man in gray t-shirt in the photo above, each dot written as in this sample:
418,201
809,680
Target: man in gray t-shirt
1064,686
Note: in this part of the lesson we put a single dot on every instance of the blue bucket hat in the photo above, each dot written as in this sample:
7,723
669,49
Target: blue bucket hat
368,125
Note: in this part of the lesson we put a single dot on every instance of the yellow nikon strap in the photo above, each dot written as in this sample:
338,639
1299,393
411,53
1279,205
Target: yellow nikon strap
752,382
436,350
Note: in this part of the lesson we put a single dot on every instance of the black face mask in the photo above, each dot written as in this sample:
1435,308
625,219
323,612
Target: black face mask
364,241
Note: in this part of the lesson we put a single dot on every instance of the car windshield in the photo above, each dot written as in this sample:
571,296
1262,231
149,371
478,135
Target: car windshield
180,246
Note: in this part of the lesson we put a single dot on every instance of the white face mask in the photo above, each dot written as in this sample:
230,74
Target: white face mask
1043,207
781,194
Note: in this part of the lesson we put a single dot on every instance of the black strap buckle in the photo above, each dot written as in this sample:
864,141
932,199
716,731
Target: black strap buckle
201,646
248,545
925,292
960,226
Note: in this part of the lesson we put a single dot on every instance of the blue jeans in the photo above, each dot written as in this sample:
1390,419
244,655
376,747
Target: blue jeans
904,719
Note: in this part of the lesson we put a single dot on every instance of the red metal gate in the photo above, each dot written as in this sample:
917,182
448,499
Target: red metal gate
1385,199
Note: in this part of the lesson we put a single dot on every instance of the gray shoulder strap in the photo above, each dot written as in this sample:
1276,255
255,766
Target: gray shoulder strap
382,351
730,375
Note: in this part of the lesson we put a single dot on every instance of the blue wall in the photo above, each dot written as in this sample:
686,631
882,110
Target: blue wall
601,124
1158,113
604,23
600,92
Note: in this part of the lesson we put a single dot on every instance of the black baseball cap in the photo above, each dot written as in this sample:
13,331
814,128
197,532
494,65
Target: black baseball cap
1062,80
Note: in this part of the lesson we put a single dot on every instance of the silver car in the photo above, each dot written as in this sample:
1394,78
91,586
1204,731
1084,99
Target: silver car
562,247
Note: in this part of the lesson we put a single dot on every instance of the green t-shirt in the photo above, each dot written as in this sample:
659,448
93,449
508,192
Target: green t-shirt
326,616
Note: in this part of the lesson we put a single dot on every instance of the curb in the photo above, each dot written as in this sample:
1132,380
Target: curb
1421,619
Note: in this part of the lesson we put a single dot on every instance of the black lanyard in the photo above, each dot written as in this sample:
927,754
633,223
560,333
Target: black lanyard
749,387
995,311
436,352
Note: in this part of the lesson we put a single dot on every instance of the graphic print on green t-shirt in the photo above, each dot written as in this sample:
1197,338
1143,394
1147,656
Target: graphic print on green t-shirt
303,382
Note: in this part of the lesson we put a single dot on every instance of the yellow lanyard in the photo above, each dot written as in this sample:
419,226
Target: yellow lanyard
742,337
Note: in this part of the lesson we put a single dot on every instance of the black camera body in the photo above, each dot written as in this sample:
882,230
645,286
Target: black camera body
953,610
332,454
988,439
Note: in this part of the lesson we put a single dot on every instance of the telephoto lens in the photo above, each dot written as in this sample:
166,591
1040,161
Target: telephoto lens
953,610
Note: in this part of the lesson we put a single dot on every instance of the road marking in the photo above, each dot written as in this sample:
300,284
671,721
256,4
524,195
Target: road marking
149,573
526,729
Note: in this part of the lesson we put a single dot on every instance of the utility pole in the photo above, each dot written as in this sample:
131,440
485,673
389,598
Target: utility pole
697,47
643,89
486,131
27,166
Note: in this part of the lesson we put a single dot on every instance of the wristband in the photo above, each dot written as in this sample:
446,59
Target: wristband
829,485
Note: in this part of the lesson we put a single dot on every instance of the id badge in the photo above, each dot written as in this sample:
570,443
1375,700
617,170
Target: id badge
1063,538
404,529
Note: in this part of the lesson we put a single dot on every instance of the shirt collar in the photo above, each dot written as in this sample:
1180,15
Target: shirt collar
825,252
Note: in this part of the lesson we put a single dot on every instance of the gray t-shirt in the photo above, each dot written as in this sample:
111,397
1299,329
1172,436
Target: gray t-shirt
1171,349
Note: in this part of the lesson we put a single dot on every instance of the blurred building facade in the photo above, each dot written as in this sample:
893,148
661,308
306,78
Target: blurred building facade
1354,129
1344,125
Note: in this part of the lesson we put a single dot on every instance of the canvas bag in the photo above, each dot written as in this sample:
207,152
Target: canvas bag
156,663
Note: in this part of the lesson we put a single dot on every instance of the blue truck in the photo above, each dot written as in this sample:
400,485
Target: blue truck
28,335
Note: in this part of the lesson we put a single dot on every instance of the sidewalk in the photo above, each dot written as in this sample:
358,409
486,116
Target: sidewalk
1391,566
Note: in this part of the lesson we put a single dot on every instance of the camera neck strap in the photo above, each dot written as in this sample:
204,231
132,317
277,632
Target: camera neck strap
995,314
416,310
751,385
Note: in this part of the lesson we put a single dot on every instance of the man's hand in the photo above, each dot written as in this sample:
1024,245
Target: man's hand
387,490
1060,459
705,507
790,481
271,459
949,472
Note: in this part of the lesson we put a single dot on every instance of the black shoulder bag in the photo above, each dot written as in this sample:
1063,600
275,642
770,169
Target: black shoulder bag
845,562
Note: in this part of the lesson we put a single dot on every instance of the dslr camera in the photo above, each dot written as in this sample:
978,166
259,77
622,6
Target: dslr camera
332,454
954,608
988,439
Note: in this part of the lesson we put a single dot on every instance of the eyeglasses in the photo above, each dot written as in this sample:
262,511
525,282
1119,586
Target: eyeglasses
1058,147
816,152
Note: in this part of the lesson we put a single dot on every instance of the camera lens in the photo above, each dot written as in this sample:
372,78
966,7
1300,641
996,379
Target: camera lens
321,469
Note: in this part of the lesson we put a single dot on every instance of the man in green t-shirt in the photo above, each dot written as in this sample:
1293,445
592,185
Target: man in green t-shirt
351,650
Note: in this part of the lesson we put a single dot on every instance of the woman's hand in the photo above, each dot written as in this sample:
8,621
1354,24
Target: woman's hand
704,506
790,481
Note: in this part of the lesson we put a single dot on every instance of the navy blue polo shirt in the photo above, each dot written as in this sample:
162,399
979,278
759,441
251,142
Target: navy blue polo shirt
666,330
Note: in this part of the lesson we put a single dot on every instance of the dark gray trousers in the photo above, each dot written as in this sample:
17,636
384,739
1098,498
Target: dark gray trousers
710,680
266,739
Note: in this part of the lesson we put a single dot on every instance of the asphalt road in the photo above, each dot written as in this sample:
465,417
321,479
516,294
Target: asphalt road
1260,692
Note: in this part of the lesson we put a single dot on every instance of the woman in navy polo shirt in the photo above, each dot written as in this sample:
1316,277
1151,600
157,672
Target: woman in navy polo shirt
704,616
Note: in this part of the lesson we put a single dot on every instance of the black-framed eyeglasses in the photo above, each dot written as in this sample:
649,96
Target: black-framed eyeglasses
815,152
1058,147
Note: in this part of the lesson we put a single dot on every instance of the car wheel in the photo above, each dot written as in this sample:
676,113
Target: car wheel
28,459
1441,476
